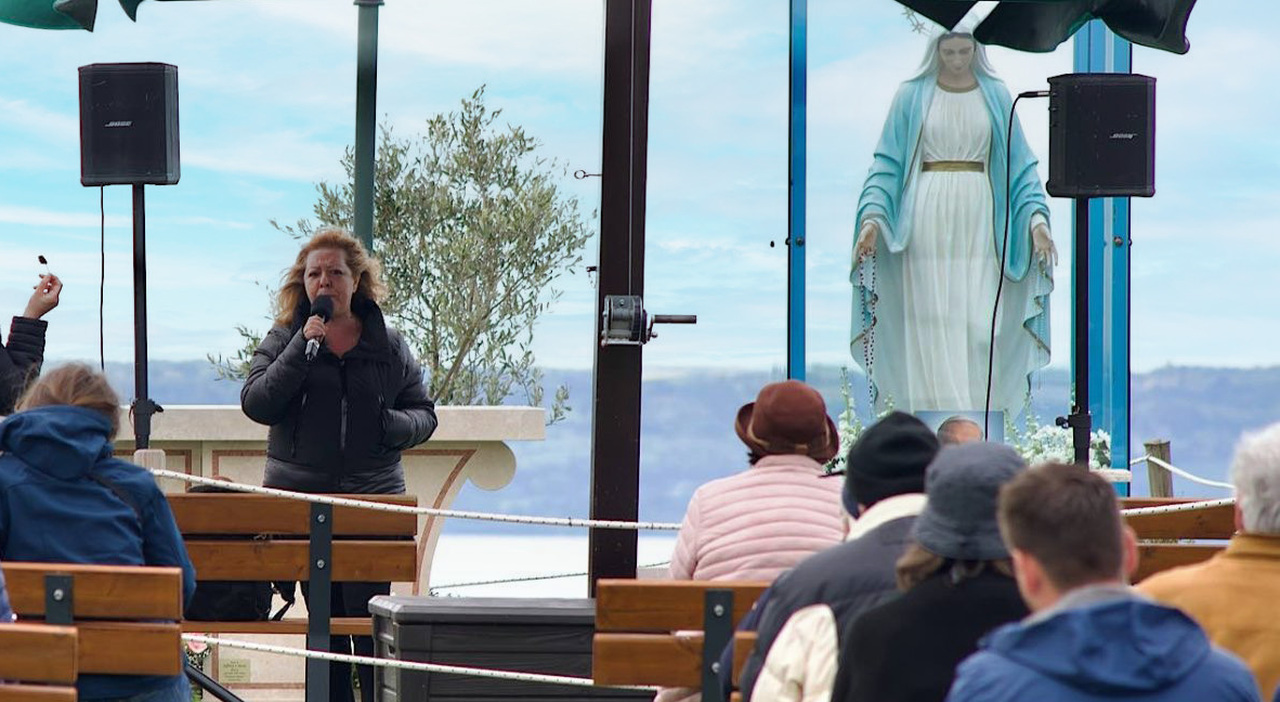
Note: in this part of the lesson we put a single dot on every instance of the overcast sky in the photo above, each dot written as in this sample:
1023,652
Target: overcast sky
267,107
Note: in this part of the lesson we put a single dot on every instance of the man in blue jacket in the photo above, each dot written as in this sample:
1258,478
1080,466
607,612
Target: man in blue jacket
1089,637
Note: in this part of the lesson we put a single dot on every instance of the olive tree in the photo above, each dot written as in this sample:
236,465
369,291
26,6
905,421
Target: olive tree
473,233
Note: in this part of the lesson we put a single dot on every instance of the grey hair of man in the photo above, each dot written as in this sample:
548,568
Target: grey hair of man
1255,472
958,430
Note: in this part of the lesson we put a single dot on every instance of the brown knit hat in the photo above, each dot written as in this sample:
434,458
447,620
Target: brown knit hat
788,417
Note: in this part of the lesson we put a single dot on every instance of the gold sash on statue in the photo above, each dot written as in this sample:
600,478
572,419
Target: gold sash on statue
953,166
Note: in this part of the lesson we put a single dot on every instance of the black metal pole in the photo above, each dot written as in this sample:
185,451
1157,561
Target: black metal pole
366,119
615,424
143,407
320,580
1080,421
209,685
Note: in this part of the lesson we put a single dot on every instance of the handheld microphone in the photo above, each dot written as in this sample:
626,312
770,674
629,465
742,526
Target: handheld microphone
322,306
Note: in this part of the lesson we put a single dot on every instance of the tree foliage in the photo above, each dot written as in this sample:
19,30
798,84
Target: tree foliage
473,233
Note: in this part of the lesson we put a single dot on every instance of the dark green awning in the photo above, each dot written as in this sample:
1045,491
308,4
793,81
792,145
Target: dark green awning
58,14
1041,25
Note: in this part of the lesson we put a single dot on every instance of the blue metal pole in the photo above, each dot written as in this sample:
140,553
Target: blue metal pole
796,146
1099,50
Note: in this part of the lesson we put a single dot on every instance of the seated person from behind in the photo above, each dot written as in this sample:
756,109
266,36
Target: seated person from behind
757,523
1234,595
884,488
957,581
958,430
64,498
1091,637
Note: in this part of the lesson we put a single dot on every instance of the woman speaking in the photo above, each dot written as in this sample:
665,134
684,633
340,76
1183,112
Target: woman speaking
343,396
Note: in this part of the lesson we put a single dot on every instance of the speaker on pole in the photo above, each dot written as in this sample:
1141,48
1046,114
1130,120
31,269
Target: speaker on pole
1102,135
1102,143
129,124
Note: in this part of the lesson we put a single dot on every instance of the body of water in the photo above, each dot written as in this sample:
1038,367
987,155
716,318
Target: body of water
471,558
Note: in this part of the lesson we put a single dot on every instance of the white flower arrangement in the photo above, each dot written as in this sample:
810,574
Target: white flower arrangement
1049,443
849,424
1036,443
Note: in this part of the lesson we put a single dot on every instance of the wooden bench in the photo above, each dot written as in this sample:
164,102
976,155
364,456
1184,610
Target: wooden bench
1157,533
670,633
240,536
37,653
114,611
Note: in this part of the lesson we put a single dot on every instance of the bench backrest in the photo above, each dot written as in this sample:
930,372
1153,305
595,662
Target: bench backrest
114,610
37,653
368,545
649,632
1156,532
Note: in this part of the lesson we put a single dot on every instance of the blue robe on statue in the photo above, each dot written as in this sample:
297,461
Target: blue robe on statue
891,294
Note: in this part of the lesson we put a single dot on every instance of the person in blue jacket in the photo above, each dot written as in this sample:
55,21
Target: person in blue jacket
1090,636
64,498
6,612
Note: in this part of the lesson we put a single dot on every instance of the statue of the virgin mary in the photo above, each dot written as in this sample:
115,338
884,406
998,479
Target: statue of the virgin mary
930,232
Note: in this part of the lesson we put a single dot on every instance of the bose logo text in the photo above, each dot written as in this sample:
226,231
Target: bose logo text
1124,135
129,123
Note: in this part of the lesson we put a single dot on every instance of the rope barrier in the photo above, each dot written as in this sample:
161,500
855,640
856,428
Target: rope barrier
1180,472
428,511
1180,507
529,578
406,665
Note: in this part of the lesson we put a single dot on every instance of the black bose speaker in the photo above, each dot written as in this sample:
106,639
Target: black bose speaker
1102,135
129,124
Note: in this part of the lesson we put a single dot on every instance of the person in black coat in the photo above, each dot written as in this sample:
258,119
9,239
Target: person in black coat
958,583
21,358
340,415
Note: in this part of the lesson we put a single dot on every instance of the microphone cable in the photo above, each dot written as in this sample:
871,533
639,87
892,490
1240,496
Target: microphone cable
102,277
1004,250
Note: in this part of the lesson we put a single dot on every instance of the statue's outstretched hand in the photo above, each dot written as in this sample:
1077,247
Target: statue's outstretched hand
1042,242
866,245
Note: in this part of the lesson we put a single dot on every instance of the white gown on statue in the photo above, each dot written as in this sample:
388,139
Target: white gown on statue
950,268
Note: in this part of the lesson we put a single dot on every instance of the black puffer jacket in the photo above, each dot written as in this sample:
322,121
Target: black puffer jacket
20,359
850,578
338,424
907,650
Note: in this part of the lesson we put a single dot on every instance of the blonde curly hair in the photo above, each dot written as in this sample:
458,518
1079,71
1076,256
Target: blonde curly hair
366,271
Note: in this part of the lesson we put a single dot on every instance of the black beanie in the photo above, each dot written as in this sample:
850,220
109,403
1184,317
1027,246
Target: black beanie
888,459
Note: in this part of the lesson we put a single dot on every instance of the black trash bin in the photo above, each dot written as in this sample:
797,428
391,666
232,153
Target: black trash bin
551,636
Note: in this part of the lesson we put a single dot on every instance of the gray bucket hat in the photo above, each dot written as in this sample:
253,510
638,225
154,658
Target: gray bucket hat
962,484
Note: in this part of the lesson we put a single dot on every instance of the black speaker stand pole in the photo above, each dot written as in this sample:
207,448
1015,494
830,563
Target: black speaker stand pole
1079,420
143,407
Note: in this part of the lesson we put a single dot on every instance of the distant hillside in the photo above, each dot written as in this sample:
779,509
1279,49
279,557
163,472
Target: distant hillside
687,431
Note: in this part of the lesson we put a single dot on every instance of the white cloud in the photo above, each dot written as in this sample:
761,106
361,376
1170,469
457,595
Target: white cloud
282,154
39,121
39,217
546,36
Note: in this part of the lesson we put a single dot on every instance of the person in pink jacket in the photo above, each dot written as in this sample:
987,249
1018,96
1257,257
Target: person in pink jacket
755,524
